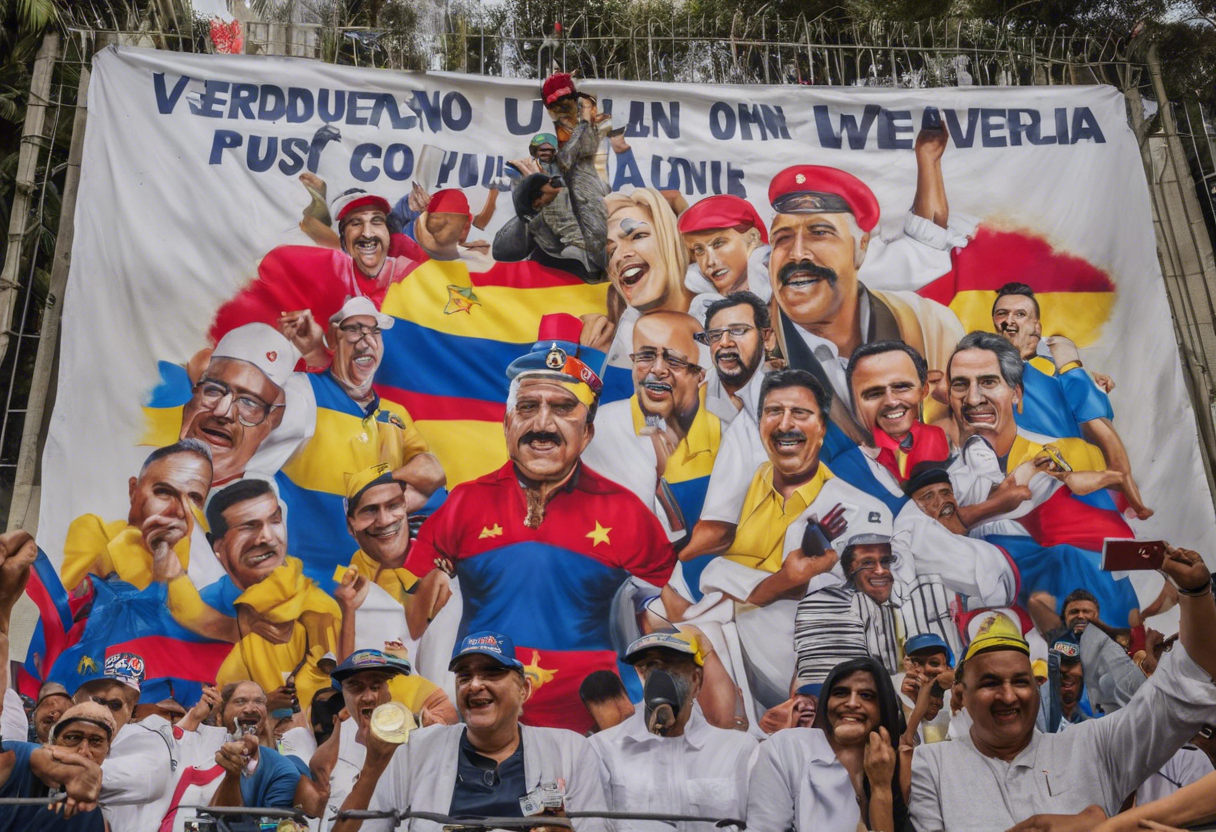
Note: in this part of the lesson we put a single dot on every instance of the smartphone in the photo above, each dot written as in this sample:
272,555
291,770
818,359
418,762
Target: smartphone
1132,555
932,119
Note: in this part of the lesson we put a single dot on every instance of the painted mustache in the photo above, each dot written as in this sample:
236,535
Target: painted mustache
813,269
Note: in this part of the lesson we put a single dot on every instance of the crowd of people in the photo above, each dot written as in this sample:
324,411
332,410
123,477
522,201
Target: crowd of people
767,544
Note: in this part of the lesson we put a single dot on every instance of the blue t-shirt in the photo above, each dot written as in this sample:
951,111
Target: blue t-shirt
22,782
273,784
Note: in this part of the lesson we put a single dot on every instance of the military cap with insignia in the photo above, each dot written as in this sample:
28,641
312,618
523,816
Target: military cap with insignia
815,189
555,356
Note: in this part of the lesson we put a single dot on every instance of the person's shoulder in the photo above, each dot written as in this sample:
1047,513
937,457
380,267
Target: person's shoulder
555,737
740,742
611,737
809,742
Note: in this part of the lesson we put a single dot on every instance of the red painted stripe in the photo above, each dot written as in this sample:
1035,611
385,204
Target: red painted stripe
428,407
994,258
523,275
165,656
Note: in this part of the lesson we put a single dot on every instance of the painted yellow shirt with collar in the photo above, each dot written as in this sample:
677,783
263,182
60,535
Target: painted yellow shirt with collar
284,595
766,515
396,582
1078,453
690,464
95,547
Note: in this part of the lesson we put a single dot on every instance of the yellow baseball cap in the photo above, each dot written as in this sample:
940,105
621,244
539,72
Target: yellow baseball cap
379,474
997,632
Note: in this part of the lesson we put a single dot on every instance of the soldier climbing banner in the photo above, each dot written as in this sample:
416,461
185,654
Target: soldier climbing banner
312,280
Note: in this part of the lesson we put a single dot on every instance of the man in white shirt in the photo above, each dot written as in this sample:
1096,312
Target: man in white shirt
671,761
486,766
136,777
1005,771
738,332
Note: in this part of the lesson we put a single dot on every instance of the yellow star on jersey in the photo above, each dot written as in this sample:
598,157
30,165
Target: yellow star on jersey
536,673
490,531
599,534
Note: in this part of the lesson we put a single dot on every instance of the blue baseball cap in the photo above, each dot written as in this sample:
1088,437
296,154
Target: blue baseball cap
929,642
1067,646
124,668
809,689
487,643
362,660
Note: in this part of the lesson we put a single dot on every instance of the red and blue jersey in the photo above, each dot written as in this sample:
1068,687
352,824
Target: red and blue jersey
550,589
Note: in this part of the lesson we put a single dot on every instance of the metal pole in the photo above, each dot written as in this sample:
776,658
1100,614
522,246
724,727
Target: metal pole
24,491
27,169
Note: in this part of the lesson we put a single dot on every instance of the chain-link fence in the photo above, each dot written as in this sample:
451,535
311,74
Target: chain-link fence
734,49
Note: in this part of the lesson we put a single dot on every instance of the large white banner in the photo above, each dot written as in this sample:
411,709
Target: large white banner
191,179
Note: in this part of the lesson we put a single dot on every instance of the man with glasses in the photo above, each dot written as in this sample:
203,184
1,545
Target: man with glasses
861,618
661,442
738,332
346,428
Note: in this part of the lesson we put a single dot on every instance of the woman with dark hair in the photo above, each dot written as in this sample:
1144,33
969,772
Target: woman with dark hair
843,772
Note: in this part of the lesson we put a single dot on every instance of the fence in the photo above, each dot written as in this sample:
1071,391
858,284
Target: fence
662,48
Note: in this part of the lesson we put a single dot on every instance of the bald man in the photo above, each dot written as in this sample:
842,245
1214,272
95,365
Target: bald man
662,442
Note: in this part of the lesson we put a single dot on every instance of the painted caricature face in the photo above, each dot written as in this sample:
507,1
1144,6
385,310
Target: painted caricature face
721,255
358,349
805,706
852,708
980,398
1080,612
736,358
256,541
887,393
365,237
930,664
813,265
547,430
1014,317
380,524
666,376
1002,698
488,695
635,264
171,488
938,501
870,573
792,429
116,696
48,712
234,408
1071,678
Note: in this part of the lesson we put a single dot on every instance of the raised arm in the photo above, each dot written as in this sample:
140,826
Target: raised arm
1190,805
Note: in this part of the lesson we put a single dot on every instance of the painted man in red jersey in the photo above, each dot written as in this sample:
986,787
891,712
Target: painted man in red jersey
542,545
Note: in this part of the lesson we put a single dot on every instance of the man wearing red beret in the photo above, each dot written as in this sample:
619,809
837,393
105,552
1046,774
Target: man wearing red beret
727,249
819,237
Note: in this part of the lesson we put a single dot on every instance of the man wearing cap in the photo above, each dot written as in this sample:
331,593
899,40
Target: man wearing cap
661,442
1005,771
763,571
138,772
280,622
820,235
727,248
666,758
543,544
70,760
1030,494
488,765
926,656
364,679
165,497
53,700
378,519
348,428
234,404
580,130
1061,398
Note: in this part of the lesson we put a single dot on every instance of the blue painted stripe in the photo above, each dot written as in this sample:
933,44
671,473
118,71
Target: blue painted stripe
316,530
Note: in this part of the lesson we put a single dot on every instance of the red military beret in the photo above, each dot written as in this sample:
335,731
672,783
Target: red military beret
556,86
448,201
815,189
722,211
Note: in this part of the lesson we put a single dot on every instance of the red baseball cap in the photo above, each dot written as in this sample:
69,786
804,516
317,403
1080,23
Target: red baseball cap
556,86
357,199
722,211
815,189
448,201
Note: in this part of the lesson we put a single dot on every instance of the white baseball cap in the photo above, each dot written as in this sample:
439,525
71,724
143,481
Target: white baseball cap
359,305
264,347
